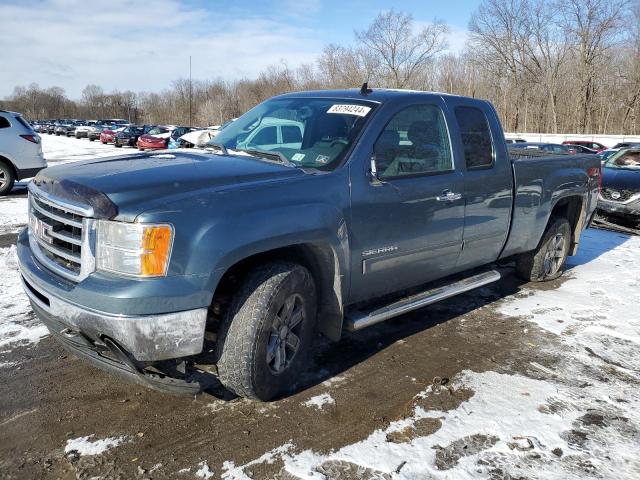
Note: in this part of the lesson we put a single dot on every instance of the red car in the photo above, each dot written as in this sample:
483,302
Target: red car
598,147
108,134
156,139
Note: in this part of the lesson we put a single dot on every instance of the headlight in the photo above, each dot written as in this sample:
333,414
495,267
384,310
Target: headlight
137,249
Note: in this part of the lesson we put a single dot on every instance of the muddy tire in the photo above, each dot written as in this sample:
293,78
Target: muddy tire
7,179
267,332
546,262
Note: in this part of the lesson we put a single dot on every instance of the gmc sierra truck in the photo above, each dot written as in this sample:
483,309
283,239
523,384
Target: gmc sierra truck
314,211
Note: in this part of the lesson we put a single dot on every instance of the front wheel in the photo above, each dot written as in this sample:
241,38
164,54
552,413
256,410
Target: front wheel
267,332
546,261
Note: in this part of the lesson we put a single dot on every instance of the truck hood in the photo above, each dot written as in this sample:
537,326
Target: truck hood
132,182
621,179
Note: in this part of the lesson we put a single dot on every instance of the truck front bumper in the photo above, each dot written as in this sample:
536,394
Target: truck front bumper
147,338
630,210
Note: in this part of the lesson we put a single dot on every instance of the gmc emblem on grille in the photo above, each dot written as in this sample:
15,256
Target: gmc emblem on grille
40,229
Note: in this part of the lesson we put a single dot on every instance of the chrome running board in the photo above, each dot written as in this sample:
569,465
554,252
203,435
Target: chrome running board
358,320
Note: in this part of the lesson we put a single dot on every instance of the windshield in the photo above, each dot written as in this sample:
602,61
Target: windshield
307,132
158,130
625,159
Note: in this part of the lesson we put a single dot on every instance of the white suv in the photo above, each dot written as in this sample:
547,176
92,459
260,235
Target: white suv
20,150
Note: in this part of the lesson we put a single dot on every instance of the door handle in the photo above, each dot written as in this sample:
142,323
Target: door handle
449,196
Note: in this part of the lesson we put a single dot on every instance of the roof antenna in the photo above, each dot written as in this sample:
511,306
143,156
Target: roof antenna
365,90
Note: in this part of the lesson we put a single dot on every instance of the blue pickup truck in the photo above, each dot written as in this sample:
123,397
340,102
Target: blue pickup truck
313,212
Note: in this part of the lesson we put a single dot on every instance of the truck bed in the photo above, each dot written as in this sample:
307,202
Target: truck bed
540,181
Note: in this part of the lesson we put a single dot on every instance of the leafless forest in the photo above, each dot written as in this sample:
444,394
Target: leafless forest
554,66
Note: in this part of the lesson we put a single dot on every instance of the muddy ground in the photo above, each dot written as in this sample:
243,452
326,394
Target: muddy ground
49,396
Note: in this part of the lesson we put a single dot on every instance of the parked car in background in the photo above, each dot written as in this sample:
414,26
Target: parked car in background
545,147
94,131
129,135
20,150
597,146
156,139
61,127
620,193
514,140
82,131
109,133
175,140
70,130
605,154
50,127
626,145
582,149
199,137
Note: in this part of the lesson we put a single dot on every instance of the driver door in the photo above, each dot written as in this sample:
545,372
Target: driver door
407,223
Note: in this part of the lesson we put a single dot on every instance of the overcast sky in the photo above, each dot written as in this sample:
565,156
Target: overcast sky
145,45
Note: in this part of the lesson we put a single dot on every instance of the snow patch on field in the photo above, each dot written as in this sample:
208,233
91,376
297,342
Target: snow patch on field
204,471
595,309
576,414
13,214
58,150
233,472
18,324
85,446
319,401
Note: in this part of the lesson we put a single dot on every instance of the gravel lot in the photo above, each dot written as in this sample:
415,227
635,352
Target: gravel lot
512,381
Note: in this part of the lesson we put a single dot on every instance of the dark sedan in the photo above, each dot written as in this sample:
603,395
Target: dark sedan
620,193
544,147
582,149
129,136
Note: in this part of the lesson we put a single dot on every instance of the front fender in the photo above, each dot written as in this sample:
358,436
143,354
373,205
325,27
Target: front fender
259,231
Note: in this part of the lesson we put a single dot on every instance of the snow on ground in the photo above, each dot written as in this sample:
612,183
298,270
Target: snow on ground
13,214
578,419
59,150
18,324
319,401
85,446
234,472
204,471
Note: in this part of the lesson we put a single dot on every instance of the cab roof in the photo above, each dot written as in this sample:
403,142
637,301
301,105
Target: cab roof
379,95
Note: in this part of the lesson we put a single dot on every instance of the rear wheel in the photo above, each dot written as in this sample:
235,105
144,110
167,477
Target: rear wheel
7,179
546,261
267,332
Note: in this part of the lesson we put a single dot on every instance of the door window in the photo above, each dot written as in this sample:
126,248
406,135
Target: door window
414,142
266,136
291,134
476,137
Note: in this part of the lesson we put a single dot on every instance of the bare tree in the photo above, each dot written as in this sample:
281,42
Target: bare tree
401,52
594,29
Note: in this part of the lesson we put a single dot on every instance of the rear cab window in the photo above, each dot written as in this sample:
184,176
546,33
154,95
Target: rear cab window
476,137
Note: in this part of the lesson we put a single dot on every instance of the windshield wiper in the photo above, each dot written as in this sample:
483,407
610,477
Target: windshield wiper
269,155
219,146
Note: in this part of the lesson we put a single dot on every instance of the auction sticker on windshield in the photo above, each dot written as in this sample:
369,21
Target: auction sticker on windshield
359,110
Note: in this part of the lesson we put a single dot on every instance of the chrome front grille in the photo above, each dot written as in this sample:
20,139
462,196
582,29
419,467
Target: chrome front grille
61,234
621,196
